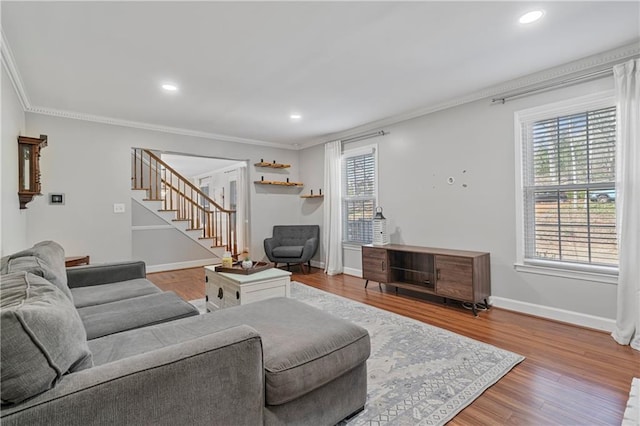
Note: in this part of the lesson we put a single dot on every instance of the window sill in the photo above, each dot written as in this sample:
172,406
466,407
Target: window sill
600,277
352,246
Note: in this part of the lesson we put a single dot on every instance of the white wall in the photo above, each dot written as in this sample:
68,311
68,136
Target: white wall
311,209
90,163
151,232
474,144
13,232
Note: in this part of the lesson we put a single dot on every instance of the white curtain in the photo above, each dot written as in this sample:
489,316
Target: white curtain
242,209
332,227
627,82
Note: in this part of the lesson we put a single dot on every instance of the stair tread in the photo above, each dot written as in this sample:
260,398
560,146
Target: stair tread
194,229
180,220
167,210
152,199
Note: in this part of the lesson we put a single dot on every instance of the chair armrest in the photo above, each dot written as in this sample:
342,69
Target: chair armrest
309,249
269,245
82,276
217,379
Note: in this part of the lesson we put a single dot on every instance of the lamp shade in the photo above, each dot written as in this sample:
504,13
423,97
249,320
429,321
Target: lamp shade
380,234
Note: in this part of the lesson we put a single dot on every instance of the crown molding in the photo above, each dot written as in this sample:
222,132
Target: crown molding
9,64
153,127
592,63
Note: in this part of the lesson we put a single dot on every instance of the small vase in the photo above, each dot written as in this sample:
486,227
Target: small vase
246,264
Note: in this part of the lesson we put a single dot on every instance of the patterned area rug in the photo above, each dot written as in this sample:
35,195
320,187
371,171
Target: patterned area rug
418,374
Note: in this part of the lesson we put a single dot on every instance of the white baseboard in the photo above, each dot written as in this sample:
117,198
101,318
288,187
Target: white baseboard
352,271
182,265
317,264
571,317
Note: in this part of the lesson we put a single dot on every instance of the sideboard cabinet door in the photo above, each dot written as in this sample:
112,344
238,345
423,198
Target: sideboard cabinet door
454,277
375,264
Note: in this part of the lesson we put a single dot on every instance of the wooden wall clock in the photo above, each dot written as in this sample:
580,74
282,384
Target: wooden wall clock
29,167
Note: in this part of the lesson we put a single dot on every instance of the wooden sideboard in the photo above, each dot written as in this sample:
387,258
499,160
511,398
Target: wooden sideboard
452,274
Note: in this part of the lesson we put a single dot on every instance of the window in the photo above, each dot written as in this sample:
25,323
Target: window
567,186
358,195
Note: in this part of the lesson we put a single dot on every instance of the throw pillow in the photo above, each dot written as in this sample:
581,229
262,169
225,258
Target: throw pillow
42,337
52,254
38,267
4,265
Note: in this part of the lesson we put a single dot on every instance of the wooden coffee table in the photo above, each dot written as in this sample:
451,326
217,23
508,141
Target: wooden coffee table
223,290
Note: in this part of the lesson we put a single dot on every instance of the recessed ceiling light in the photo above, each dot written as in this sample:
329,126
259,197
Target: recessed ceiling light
295,116
169,87
531,17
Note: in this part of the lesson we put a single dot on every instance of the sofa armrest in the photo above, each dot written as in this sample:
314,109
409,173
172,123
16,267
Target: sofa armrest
82,276
217,379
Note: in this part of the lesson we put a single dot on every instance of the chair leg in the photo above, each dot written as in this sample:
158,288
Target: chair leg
275,264
302,267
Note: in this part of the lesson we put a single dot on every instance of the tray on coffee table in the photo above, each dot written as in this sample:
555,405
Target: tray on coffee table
237,269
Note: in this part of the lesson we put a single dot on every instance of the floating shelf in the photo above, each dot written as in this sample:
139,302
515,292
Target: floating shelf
275,182
273,165
312,196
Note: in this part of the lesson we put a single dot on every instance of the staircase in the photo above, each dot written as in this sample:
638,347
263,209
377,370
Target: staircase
162,190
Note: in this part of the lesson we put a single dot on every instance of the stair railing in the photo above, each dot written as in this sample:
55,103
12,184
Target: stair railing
177,194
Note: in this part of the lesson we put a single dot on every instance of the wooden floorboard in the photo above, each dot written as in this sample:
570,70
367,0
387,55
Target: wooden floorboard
571,375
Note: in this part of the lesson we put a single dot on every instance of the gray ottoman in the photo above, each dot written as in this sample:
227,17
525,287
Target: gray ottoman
315,363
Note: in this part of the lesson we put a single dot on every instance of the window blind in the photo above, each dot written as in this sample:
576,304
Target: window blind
359,197
569,188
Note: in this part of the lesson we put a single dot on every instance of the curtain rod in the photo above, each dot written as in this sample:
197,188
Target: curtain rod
556,84
365,136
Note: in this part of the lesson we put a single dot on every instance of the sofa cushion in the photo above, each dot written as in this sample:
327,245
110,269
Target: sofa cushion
122,315
42,337
51,254
37,266
304,347
107,293
288,251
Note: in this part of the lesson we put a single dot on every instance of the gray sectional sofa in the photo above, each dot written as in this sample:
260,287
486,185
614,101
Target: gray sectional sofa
103,345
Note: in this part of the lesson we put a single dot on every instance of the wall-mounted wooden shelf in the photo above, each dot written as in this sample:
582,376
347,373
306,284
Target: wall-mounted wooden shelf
275,182
273,165
312,196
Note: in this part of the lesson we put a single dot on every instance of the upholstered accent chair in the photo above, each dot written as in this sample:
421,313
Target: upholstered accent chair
295,244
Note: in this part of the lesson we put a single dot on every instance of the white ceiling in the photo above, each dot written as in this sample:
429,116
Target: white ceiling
243,67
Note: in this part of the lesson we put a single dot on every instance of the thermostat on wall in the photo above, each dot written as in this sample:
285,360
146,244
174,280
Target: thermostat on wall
56,199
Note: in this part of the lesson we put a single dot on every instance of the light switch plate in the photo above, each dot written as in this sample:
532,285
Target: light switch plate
118,208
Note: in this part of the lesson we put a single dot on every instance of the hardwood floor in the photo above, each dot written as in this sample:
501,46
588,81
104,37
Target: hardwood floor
571,375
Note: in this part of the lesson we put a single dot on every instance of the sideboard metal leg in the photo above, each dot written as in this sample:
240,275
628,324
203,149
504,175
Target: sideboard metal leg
366,284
